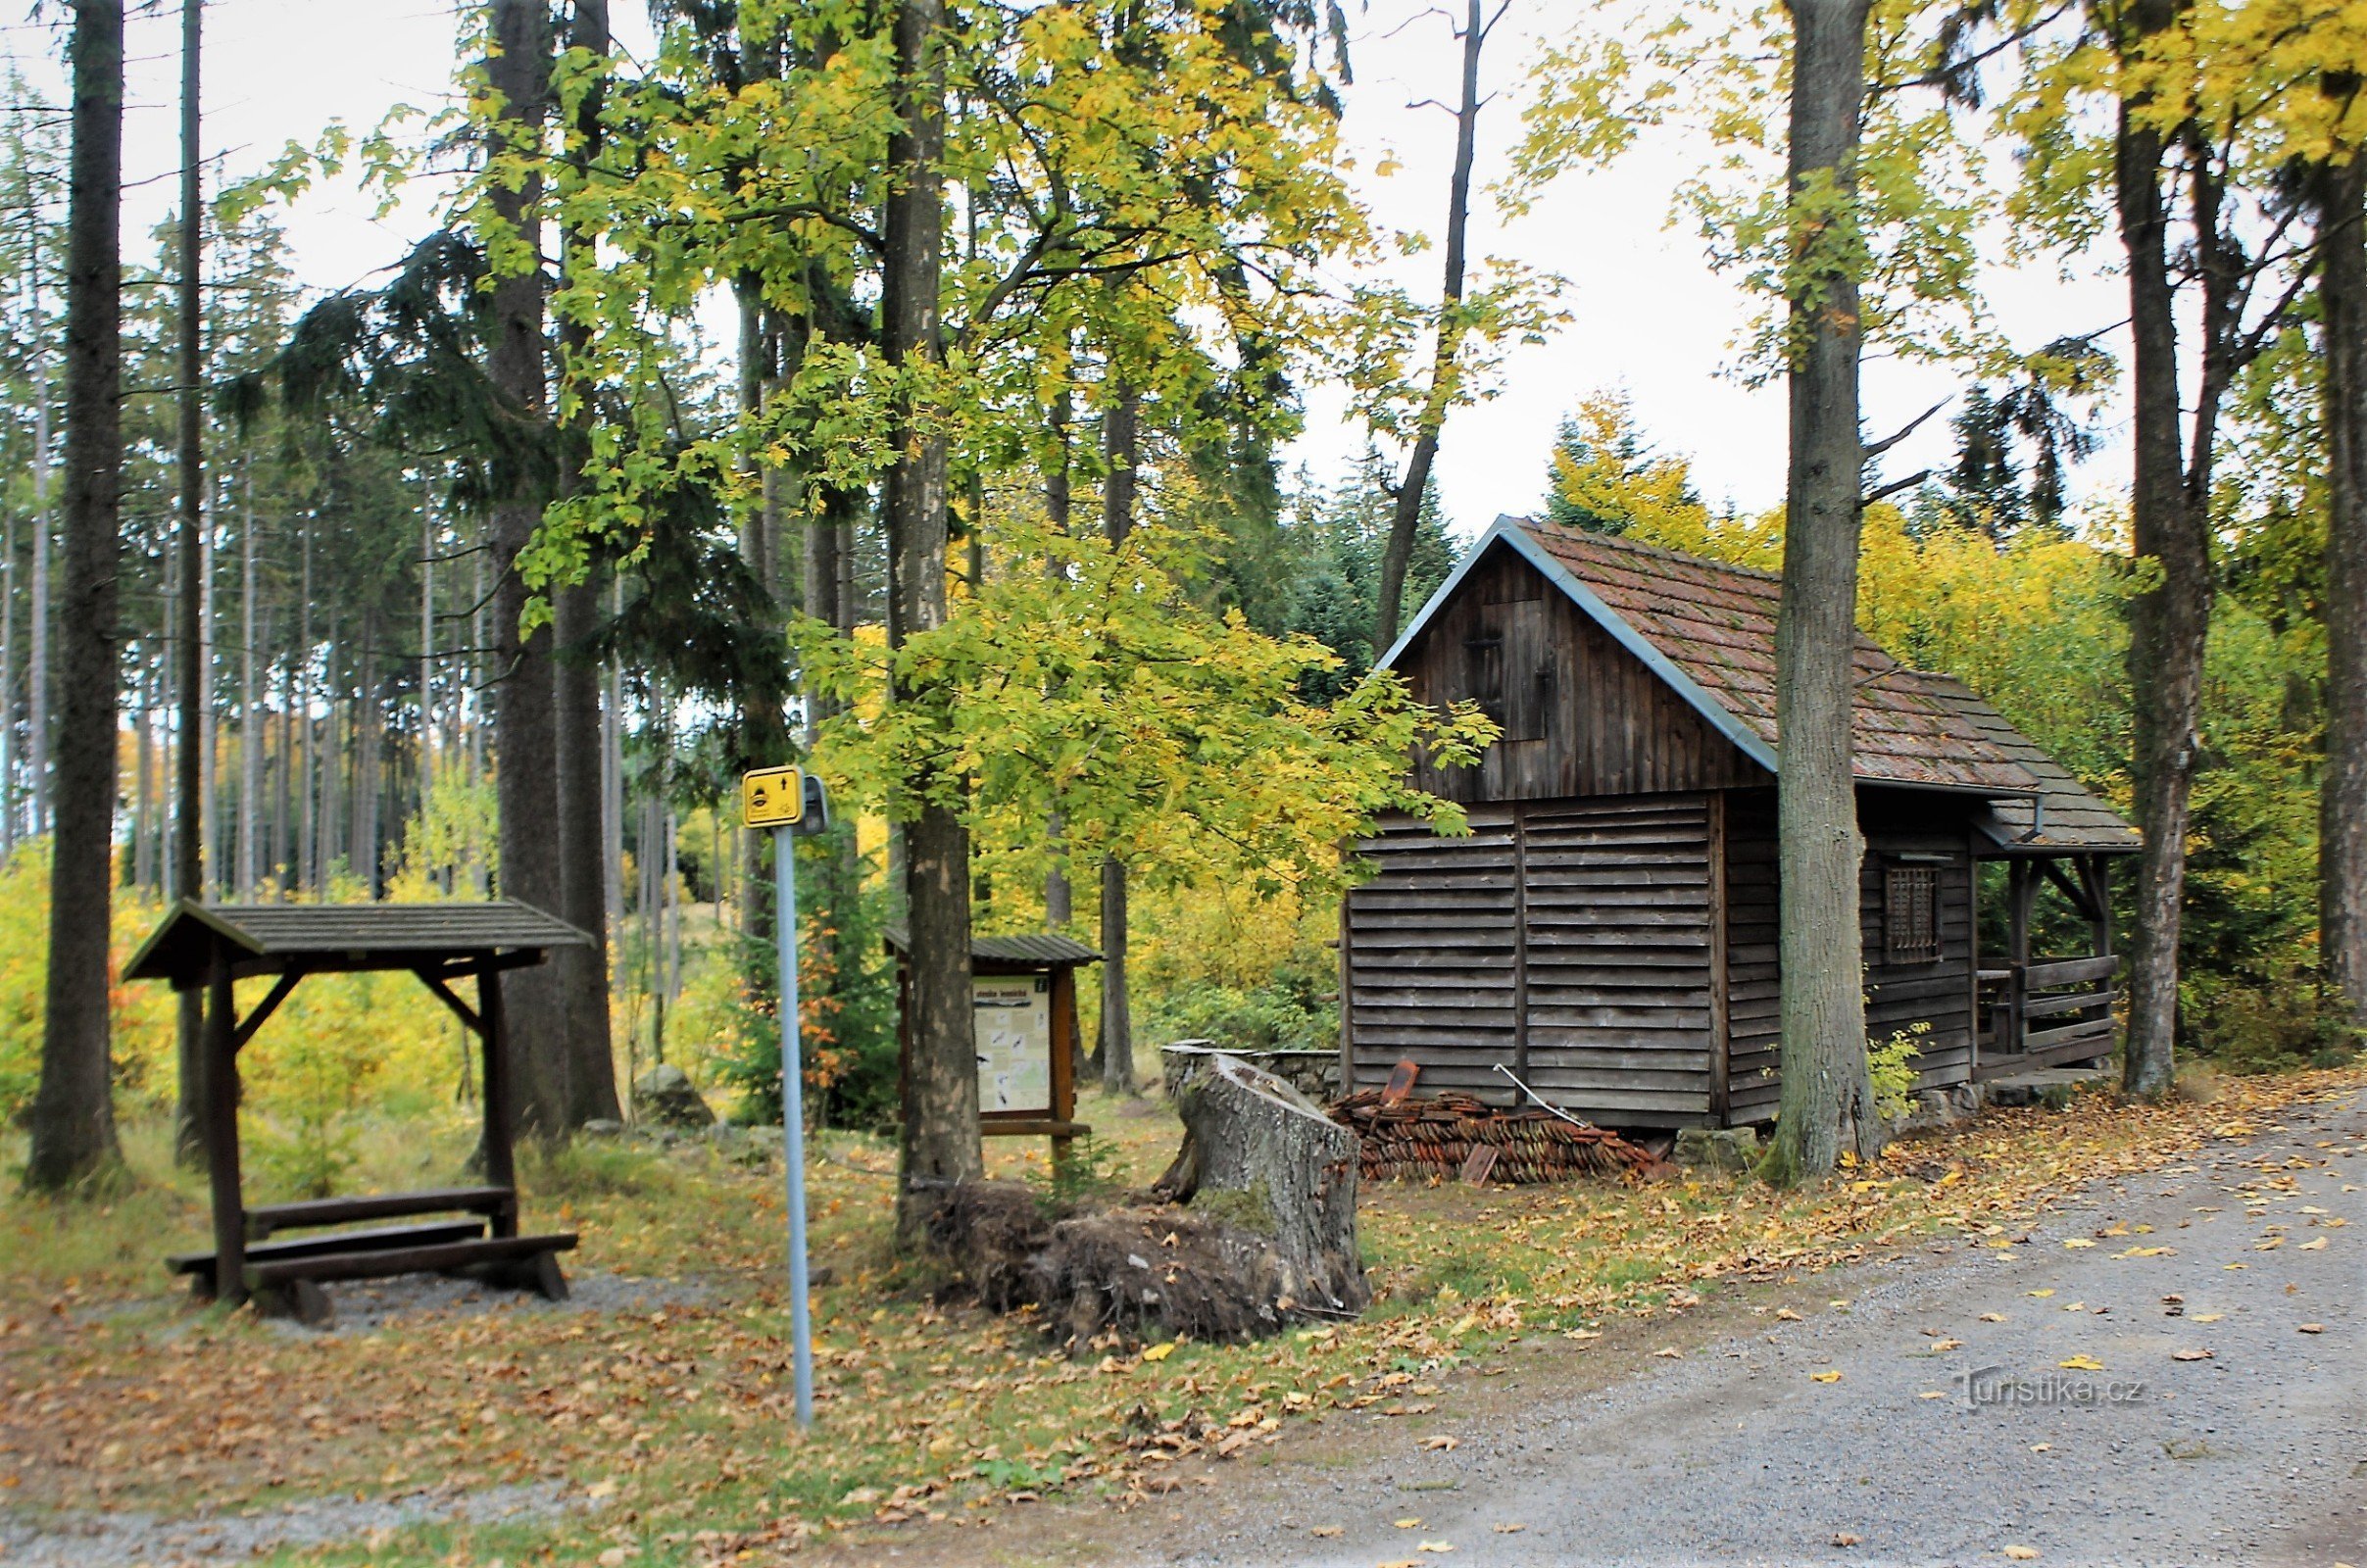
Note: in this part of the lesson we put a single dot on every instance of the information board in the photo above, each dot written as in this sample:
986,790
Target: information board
1012,1016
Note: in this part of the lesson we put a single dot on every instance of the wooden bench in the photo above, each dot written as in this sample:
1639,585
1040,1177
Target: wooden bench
499,1204
199,1266
291,1286
285,1276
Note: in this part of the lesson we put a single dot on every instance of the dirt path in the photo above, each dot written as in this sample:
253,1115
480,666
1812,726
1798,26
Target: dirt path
1952,1432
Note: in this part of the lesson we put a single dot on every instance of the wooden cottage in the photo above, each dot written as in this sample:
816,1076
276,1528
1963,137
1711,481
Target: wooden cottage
1607,932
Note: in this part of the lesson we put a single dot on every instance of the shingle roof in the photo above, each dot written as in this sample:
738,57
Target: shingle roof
2068,817
1032,947
267,936
1708,629
1716,623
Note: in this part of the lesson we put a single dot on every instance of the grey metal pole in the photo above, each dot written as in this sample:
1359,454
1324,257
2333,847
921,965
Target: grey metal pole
793,1115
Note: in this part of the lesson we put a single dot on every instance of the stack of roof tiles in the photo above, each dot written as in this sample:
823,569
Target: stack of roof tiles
1420,1138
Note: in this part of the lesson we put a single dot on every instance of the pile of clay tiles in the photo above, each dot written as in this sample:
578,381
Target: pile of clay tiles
1450,1135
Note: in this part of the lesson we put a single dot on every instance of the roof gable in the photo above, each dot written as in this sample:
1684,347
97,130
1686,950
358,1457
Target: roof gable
1708,630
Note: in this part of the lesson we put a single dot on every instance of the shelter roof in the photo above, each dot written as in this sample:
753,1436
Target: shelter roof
269,938
1030,947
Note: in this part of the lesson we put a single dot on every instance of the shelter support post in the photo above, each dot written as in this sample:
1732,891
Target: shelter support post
219,1058
1064,1053
501,1117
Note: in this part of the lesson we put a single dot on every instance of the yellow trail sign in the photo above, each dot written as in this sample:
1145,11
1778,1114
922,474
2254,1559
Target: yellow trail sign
772,797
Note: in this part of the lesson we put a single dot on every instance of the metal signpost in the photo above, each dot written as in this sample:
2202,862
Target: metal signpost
787,802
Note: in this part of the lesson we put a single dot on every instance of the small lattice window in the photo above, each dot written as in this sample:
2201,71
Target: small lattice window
1910,916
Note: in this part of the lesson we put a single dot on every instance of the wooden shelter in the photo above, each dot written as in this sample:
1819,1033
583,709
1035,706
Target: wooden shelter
218,945
1024,1009
1608,930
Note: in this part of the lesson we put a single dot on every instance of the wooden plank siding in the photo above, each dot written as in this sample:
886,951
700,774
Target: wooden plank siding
1568,940
1934,832
1752,1027
1581,714
1428,953
1618,945
1913,828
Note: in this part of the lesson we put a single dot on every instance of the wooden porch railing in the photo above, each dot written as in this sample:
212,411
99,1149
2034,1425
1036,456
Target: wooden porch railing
2046,1012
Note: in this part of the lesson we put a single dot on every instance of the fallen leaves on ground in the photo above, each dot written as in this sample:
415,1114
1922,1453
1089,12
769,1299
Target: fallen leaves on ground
2081,1364
927,1410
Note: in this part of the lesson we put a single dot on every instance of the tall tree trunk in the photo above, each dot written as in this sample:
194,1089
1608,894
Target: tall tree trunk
1121,455
72,1118
143,735
250,730
2168,621
283,859
1431,419
2342,790
367,768
1059,897
36,652
526,700
941,1076
583,878
7,688
308,866
427,554
188,797
1827,1101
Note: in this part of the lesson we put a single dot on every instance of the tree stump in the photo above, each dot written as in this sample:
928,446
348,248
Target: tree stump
1264,1157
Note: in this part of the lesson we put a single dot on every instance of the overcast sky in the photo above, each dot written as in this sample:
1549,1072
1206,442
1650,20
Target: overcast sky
1648,315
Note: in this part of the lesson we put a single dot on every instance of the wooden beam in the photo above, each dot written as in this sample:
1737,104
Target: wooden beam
245,1031
467,1015
501,1116
2052,870
2096,874
1063,1061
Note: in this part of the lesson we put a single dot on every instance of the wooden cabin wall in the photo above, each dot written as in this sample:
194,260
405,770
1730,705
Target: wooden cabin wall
1896,823
1754,1027
1616,970
1428,954
1581,714
1572,941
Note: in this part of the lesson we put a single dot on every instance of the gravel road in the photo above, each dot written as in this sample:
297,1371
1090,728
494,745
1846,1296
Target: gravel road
1954,1429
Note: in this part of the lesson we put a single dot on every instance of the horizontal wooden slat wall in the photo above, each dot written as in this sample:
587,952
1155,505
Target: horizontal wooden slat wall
1753,1030
1608,941
1902,829
1617,921
1430,955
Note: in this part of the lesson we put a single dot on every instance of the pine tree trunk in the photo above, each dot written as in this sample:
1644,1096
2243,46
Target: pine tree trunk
2168,621
1431,419
2342,790
1827,1099
37,653
1121,455
188,855
1060,898
526,716
73,1121
250,732
7,688
941,1144
583,878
